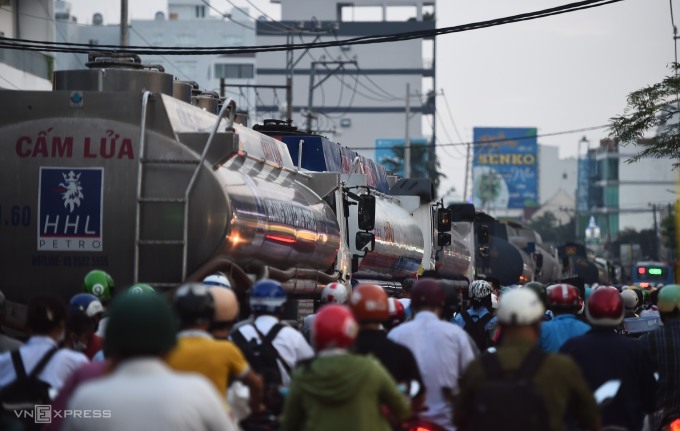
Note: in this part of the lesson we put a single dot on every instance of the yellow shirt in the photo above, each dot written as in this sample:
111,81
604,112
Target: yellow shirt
218,360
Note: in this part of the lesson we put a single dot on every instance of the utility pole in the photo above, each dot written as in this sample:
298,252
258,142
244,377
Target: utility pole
407,139
312,85
655,245
467,172
124,39
289,79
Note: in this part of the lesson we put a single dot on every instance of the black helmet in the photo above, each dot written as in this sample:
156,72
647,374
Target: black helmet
194,304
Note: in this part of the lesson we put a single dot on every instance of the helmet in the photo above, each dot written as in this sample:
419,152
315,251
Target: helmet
669,298
226,304
480,289
539,290
494,301
520,307
396,311
87,303
605,307
139,288
630,298
217,279
563,296
334,327
267,296
140,325
427,292
194,304
99,283
335,293
369,303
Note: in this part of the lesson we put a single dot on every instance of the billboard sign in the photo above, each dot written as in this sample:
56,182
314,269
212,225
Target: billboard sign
505,168
390,154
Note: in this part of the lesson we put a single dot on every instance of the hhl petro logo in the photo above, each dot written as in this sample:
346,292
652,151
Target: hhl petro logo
44,414
70,207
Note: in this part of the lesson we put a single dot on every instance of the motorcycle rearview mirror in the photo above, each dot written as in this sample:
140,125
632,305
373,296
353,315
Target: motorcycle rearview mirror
607,391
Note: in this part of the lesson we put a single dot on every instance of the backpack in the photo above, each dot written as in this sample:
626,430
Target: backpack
264,359
476,330
26,391
509,399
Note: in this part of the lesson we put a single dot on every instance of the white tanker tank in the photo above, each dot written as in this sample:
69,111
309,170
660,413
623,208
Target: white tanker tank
110,171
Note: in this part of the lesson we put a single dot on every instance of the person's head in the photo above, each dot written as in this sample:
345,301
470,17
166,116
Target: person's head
217,279
46,315
369,305
563,299
100,284
334,293
89,305
267,297
226,311
539,290
605,308
79,329
397,313
406,287
141,288
630,299
669,302
427,295
334,327
194,305
479,293
520,312
140,326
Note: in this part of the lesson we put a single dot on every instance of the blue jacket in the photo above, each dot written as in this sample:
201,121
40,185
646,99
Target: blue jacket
475,314
557,331
605,355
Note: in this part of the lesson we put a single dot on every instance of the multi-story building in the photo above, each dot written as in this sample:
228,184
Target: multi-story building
188,24
32,20
354,94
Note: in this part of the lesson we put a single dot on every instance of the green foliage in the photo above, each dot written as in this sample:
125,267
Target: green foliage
421,165
551,230
645,238
668,231
648,109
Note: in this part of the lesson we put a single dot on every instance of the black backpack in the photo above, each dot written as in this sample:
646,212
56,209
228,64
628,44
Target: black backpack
476,330
508,399
264,359
20,397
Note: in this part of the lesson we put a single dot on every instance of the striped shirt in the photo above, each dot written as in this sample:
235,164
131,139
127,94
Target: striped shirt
664,350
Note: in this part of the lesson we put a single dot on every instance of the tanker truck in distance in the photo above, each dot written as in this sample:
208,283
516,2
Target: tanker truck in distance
125,169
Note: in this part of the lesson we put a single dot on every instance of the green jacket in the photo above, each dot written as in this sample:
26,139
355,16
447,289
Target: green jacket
558,379
341,393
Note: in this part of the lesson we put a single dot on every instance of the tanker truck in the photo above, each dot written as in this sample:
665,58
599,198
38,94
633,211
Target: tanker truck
122,167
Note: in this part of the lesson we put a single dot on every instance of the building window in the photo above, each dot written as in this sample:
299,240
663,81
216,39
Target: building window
200,11
234,71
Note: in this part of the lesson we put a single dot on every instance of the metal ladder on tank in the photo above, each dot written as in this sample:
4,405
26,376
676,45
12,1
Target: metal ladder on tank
229,105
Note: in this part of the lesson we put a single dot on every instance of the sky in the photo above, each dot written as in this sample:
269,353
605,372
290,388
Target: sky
557,74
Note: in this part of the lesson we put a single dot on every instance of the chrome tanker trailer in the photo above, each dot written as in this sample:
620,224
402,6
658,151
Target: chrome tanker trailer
110,171
541,261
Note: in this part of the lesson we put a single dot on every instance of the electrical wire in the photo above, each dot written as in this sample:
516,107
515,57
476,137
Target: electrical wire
448,108
227,16
177,68
277,30
444,149
448,136
362,40
675,34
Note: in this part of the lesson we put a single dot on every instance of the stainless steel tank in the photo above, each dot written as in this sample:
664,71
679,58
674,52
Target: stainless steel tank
71,164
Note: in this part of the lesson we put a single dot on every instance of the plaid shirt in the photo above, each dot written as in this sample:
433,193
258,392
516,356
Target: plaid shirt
664,350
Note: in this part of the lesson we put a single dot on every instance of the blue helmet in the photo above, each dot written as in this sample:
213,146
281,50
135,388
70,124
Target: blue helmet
87,303
267,296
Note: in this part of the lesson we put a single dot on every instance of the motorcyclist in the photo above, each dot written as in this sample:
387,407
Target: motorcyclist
630,302
140,288
540,291
337,390
217,279
397,314
664,349
332,293
197,351
100,284
605,355
370,306
481,308
91,307
564,300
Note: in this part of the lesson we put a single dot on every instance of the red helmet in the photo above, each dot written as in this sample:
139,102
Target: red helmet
334,327
397,311
368,302
563,296
605,307
427,292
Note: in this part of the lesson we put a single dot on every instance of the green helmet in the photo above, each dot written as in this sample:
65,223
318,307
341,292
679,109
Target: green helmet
539,289
669,298
100,284
139,288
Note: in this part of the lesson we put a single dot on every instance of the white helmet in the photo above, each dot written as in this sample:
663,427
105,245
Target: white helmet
479,289
217,279
630,298
334,293
519,307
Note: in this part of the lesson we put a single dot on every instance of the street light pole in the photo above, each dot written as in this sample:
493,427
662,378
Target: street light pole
579,174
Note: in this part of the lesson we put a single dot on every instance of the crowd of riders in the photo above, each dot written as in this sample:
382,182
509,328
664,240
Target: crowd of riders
526,357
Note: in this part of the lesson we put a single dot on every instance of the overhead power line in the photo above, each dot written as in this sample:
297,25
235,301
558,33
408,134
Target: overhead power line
25,44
